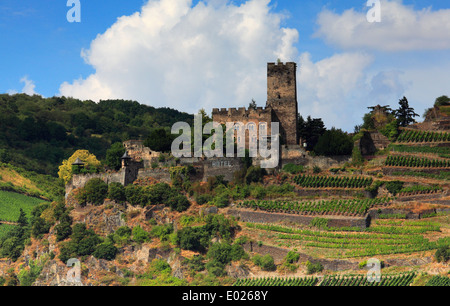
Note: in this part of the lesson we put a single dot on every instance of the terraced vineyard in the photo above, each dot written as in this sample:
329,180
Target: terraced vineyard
415,162
277,282
422,136
362,281
316,181
419,189
387,237
420,149
439,281
399,280
10,204
332,207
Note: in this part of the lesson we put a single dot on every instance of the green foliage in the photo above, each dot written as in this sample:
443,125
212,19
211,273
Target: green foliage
255,175
442,254
319,222
198,238
399,280
315,181
64,228
391,130
312,268
178,203
329,207
113,156
195,264
405,114
203,198
310,131
95,192
162,231
11,203
276,282
139,235
293,169
159,140
116,192
415,162
105,251
266,262
334,142
41,132
159,273
357,158
394,186
438,281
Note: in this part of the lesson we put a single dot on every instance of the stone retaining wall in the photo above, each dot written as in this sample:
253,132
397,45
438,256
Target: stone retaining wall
264,217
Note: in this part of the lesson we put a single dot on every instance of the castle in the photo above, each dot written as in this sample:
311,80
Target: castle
281,106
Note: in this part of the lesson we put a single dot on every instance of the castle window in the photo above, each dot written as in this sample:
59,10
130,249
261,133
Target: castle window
262,126
251,126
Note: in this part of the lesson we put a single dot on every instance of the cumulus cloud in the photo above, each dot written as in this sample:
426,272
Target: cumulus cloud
402,28
174,54
334,88
28,87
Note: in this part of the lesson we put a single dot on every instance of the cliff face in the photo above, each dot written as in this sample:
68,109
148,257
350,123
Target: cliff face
132,258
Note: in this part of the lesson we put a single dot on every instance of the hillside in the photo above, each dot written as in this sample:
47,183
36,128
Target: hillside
301,224
37,133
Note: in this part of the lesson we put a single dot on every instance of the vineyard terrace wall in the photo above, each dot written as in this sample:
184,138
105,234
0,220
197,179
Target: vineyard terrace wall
264,217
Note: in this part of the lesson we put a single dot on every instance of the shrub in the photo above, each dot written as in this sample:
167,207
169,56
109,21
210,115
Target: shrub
95,191
179,203
266,262
394,186
105,251
140,235
203,199
442,254
293,169
316,169
255,175
116,192
221,201
312,268
292,257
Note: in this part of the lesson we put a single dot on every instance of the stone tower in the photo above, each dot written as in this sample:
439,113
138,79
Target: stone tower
282,99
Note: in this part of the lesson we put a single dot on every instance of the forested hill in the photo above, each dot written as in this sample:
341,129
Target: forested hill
38,133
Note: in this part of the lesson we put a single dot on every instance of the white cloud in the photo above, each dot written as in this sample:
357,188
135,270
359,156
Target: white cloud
173,54
332,88
28,87
402,28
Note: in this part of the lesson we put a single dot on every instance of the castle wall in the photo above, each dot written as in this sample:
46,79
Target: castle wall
245,116
80,180
221,166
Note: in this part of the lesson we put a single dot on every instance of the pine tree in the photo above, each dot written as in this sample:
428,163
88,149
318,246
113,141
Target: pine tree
405,114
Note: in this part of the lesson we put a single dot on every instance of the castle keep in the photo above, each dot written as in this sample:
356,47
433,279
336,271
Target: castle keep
281,106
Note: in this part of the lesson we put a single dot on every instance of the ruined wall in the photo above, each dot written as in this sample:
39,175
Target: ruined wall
139,152
80,180
282,99
372,142
221,166
160,174
298,156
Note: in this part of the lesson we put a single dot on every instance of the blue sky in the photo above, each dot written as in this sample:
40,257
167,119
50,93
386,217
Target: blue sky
190,54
